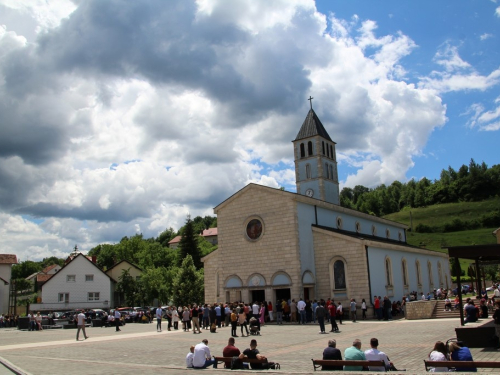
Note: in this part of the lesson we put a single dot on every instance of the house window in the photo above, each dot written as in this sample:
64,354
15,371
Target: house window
331,152
374,230
323,143
308,171
302,151
93,296
309,148
89,277
327,174
419,276
70,278
387,233
327,151
63,297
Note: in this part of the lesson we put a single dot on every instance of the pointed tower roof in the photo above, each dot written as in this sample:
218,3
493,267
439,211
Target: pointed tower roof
312,126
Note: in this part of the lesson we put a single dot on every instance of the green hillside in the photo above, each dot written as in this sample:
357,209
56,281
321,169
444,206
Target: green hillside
440,214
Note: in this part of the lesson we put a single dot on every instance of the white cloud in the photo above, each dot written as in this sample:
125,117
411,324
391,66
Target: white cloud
485,36
497,12
482,119
110,128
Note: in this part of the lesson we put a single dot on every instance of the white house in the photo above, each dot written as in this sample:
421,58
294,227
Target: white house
80,284
6,262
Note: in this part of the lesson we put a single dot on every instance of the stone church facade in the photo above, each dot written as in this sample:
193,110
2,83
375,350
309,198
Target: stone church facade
275,244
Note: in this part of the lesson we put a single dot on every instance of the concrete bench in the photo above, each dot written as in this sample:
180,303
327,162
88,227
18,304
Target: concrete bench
317,363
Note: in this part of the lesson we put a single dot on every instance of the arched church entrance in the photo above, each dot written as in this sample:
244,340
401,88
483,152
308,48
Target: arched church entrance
258,295
283,294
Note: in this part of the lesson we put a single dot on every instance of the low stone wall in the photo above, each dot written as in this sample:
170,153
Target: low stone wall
420,309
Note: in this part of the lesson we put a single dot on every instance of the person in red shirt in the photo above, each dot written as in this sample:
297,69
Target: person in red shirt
376,307
333,312
230,350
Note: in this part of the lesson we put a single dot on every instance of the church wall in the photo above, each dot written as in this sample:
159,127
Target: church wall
210,266
328,218
305,214
329,248
276,250
377,260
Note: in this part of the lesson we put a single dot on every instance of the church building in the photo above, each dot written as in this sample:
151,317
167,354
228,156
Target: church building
275,244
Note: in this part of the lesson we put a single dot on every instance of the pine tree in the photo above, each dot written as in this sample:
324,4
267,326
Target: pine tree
188,245
188,284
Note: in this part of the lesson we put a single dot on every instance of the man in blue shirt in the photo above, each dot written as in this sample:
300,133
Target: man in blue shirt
218,315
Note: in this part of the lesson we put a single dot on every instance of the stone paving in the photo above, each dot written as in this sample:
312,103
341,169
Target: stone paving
138,348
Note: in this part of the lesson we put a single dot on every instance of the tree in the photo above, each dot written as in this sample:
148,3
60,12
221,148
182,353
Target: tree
128,286
166,236
188,287
157,283
188,245
24,269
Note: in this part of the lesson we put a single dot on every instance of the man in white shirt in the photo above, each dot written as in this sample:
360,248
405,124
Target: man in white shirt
255,311
374,354
301,306
202,357
81,325
189,357
159,313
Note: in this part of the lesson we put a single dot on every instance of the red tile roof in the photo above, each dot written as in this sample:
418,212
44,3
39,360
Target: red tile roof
176,239
8,259
48,268
41,277
209,232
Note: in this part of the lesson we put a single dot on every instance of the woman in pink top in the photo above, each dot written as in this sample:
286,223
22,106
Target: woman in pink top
262,313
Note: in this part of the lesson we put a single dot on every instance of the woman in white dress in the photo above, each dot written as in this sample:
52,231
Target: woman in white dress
175,318
438,354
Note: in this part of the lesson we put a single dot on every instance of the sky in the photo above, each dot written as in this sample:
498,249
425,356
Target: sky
123,117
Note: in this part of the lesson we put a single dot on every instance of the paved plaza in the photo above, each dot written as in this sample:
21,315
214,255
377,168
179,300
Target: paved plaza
139,349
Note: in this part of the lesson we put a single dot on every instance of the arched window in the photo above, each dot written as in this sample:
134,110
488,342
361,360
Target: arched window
331,152
323,143
308,171
339,275
309,148
429,269
358,227
405,272
388,271
302,151
339,222
440,275
419,275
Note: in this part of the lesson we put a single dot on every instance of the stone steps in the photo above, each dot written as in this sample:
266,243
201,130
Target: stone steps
439,312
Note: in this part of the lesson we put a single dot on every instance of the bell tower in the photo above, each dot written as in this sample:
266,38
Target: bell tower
316,161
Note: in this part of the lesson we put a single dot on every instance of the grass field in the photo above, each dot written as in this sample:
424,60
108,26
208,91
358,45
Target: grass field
440,214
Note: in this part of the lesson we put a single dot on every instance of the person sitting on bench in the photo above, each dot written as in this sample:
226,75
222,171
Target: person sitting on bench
253,353
332,353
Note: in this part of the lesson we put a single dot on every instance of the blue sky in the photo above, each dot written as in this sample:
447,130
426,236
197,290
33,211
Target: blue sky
119,118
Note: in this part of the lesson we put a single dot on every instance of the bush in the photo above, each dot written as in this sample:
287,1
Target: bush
491,220
423,228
